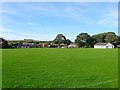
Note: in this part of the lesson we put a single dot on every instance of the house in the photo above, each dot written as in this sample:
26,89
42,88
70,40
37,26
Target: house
26,45
118,46
43,45
103,45
62,45
72,45
53,45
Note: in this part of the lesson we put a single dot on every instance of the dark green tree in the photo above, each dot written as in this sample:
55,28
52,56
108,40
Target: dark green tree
82,40
111,37
118,39
60,38
67,41
99,37
5,43
91,41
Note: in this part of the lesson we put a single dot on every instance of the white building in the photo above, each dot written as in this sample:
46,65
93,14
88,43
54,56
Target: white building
62,45
72,45
103,45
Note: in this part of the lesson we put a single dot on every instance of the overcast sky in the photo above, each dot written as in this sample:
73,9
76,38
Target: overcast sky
44,20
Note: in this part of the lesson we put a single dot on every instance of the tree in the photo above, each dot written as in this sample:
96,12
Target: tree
60,38
91,41
82,40
111,37
68,41
118,39
99,37
4,43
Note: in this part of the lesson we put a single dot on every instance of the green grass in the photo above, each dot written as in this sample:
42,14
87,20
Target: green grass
0,69
60,68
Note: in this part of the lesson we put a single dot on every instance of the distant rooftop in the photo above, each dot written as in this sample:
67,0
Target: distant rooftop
101,43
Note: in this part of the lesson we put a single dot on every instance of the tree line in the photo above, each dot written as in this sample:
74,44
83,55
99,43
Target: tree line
83,40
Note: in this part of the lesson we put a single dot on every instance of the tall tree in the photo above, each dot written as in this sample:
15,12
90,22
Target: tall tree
91,41
68,41
108,37
60,38
4,43
99,37
111,37
82,40
118,39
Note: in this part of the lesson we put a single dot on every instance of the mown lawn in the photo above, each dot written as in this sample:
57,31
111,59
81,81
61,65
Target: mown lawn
0,68
60,68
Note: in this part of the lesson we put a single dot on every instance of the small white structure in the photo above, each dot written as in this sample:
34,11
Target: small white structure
103,45
62,45
72,45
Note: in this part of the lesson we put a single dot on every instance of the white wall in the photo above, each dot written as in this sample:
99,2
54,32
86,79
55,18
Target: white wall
109,45
98,46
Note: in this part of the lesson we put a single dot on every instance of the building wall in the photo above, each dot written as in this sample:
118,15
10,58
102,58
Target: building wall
99,46
103,46
72,46
109,45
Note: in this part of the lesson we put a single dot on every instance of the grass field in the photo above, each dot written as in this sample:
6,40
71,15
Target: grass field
60,68
0,69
